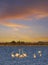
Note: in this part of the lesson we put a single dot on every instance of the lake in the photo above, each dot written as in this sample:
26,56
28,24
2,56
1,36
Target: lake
7,59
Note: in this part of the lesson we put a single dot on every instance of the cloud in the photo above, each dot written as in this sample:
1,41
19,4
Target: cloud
22,9
40,16
13,25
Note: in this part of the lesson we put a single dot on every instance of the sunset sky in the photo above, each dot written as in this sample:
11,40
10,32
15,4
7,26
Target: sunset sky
24,20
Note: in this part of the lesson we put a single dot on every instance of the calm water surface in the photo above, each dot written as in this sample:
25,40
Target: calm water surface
6,59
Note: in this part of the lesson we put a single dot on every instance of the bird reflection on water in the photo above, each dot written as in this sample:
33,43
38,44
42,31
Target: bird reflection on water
19,55
23,55
10,56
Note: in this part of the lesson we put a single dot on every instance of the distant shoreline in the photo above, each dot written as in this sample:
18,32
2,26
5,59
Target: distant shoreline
13,43
23,45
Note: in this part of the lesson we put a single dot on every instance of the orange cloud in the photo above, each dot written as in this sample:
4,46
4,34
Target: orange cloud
24,13
23,8
10,24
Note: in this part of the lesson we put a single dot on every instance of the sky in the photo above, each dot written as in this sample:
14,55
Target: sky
24,20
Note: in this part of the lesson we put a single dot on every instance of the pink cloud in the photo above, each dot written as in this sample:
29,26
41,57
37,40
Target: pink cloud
13,25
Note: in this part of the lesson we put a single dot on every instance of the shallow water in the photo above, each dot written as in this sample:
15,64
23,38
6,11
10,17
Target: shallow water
6,59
